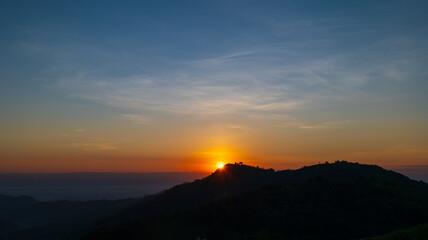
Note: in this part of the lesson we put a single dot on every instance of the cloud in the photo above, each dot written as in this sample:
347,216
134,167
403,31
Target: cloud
263,82
197,94
205,87
136,118
94,146
234,126
79,130
286,62
324,125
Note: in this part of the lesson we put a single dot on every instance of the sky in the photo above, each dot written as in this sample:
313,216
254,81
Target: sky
146,86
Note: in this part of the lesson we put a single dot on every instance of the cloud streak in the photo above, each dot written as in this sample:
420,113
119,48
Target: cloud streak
94,146
136,118
233,84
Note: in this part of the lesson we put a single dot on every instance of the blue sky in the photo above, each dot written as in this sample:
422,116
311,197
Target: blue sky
267,70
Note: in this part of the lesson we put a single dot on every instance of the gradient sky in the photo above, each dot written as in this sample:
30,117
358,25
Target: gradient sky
146,86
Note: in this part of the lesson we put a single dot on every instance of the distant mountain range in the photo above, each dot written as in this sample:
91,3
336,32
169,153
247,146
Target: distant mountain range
338,200
91,186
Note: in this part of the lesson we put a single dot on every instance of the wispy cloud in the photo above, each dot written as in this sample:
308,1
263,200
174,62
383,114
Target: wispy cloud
216,88
235,126
136,118
266,80
78,130
323,125
94,146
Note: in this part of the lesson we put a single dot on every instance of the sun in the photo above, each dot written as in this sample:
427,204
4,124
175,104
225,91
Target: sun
220,165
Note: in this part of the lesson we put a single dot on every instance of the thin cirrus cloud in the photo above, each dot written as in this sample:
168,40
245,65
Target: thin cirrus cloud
294,66
297,64
94,146
78,130
136,118
324,125
234,83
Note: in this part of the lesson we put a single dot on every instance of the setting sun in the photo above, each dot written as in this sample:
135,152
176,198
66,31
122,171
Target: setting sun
220,165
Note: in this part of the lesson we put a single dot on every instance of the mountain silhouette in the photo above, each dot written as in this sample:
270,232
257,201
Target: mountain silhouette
325,201
338,200
24,217
9,203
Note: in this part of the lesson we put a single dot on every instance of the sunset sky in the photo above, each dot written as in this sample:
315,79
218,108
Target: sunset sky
145,86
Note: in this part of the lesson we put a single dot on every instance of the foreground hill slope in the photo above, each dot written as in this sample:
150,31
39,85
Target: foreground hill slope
326,201
234,179
419,232
24,217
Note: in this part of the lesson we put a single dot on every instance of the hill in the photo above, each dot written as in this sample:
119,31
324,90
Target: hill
419,232
9,203
19,216
326,201
338,200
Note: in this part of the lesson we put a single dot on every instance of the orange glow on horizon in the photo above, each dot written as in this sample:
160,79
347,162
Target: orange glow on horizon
211,159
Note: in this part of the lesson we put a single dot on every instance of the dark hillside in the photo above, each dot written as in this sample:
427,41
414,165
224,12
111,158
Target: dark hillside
9,203
345,171
32,216
234,179
327,201
231,180
419,232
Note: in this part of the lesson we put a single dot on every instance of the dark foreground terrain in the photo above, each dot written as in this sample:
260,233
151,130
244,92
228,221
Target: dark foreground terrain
326,201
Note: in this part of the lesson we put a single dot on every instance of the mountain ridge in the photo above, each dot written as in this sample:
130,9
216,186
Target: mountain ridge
254,195
233,180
